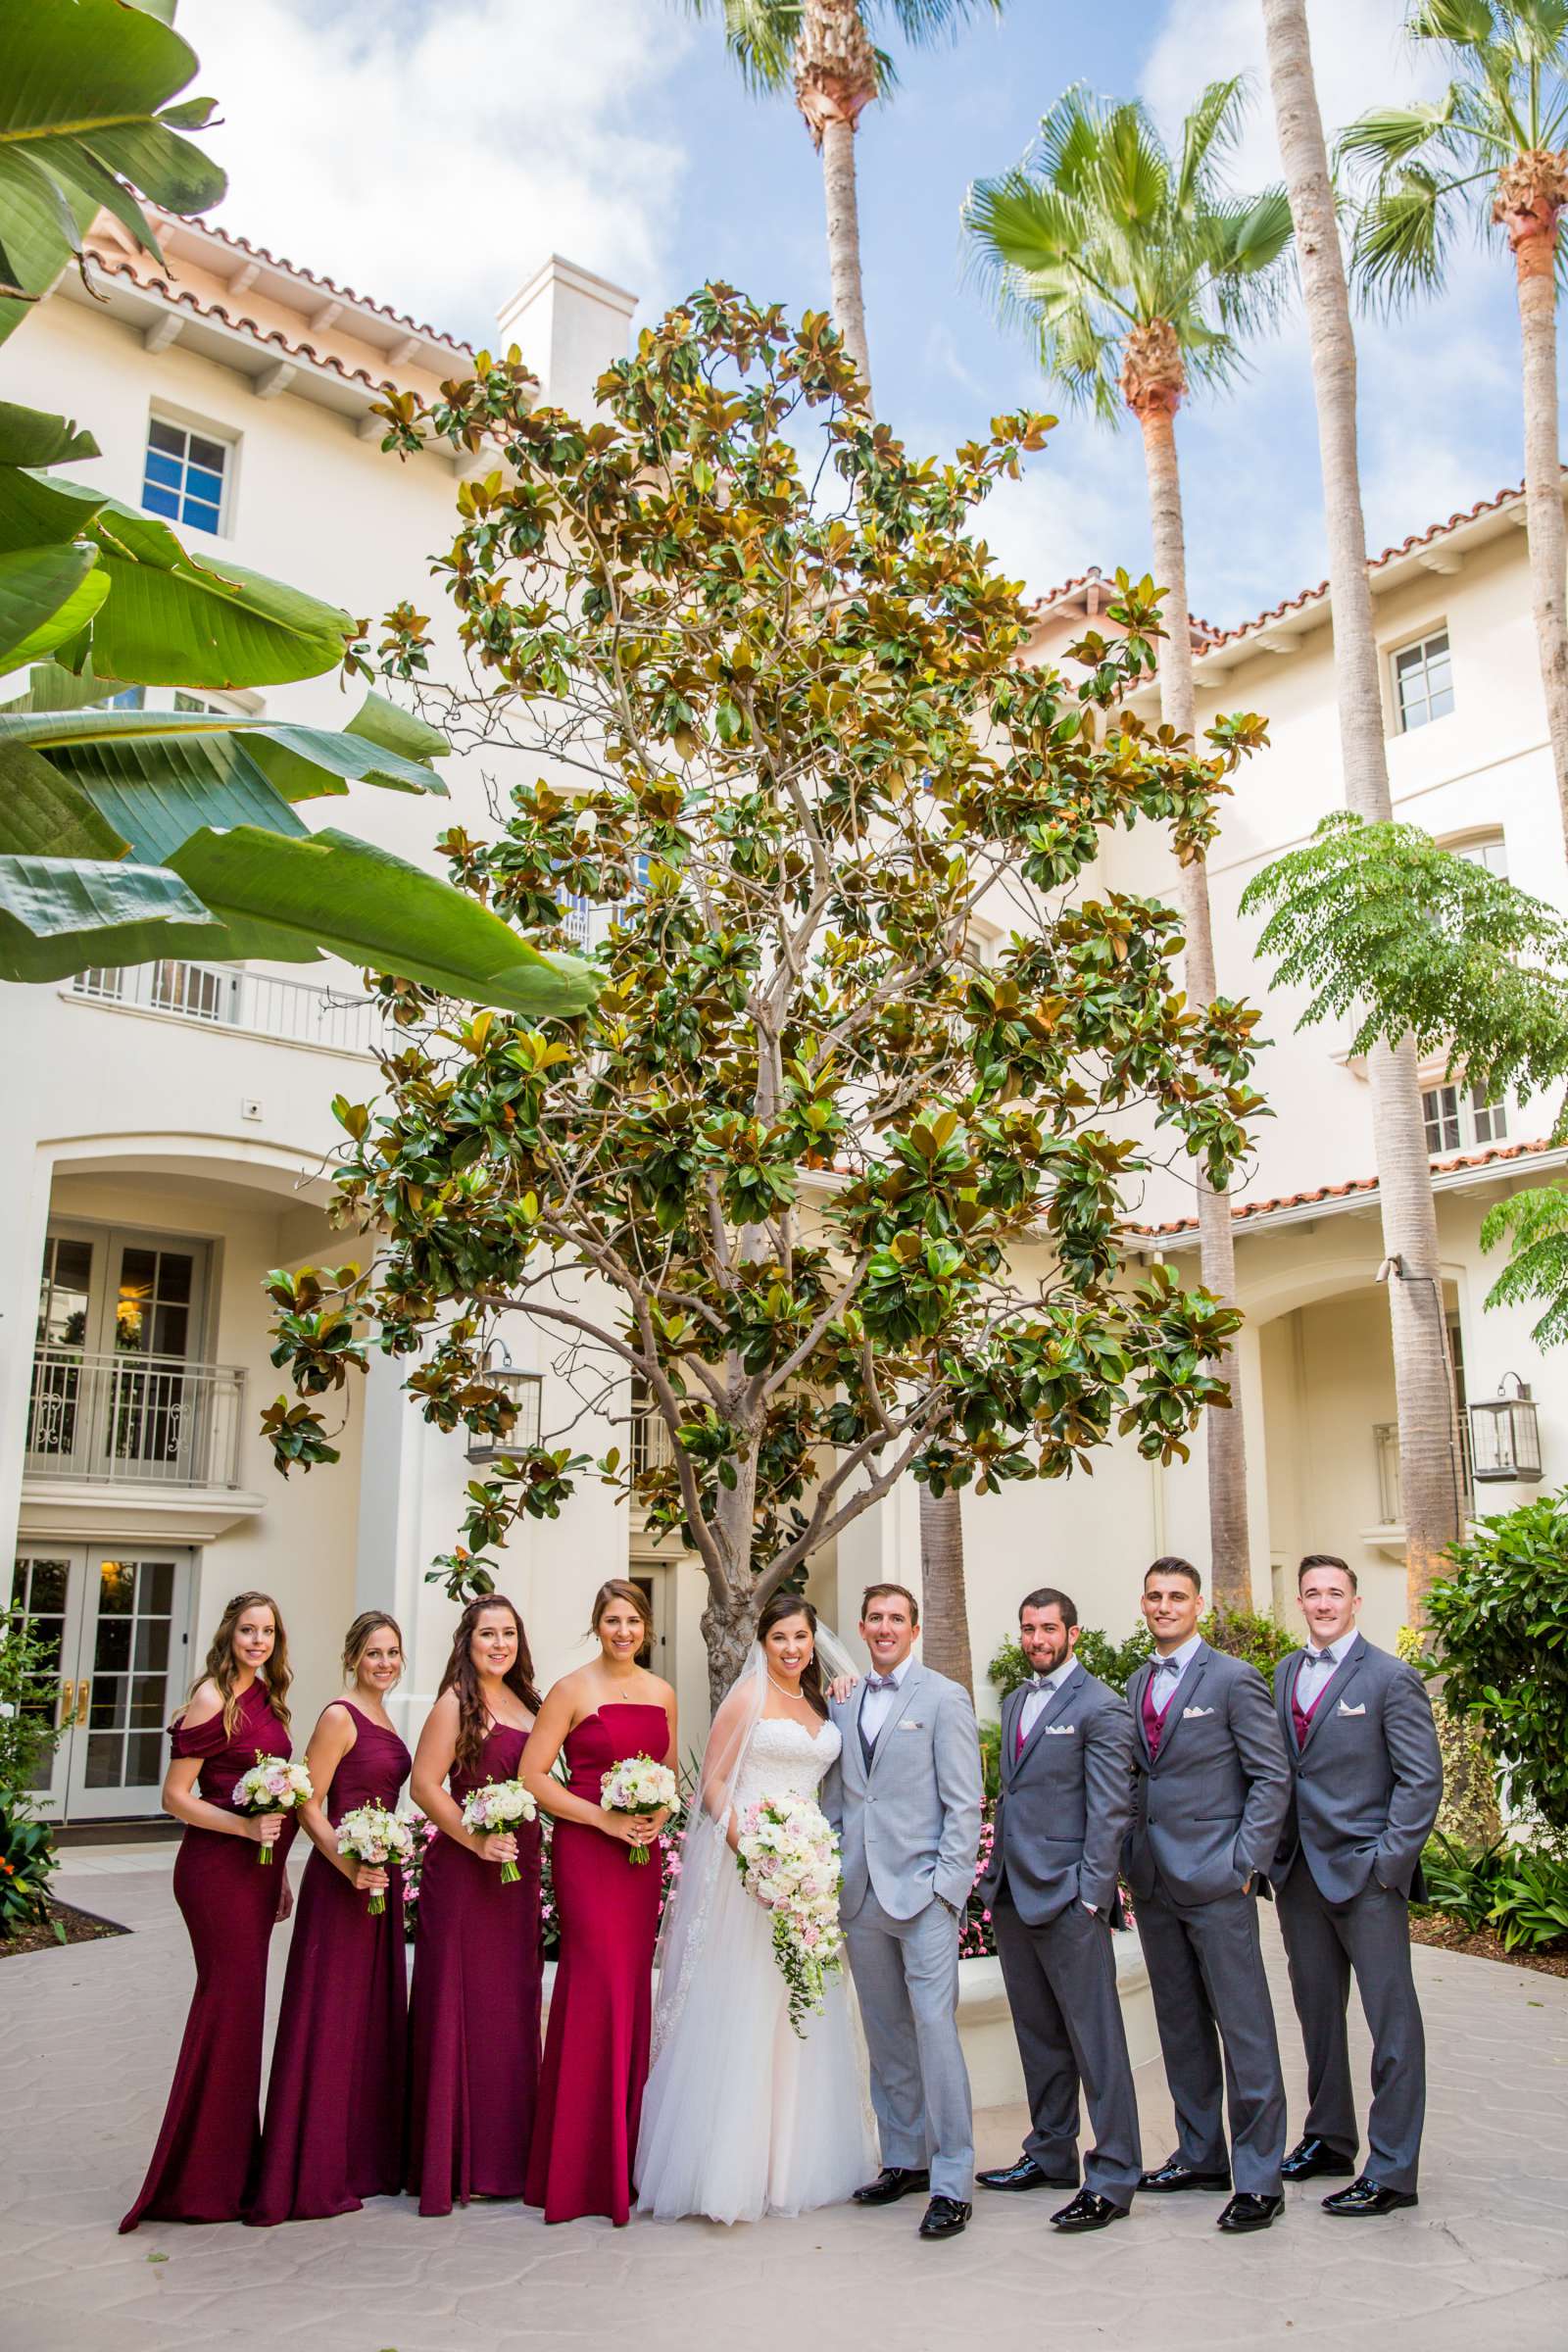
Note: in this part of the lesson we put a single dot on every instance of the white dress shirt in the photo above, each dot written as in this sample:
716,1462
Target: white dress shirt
1168,1672
1041,1696
877,1706
1318,1670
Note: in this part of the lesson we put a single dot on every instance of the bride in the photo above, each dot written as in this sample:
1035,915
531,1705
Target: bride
740,2117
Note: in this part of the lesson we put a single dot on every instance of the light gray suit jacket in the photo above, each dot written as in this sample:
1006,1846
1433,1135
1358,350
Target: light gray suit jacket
1207,1809
1066,1802
1366,1787
910,1827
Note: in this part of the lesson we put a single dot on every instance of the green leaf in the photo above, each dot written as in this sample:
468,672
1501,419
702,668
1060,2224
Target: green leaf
32,437
159,789
397,730
59,916
47,595
44,815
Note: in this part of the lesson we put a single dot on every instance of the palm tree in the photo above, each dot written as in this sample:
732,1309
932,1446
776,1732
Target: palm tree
1138,271
1423,1383
823,50
1495,146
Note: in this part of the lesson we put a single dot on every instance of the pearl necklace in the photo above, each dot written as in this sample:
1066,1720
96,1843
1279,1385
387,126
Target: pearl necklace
784,1691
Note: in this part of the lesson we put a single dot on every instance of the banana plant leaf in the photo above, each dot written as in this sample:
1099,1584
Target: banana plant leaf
60,916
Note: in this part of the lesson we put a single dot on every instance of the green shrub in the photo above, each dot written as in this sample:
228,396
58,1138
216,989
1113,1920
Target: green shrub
1241,1633
1468,1815
1461,1883
1520,1891
1252,1635
27,1857
1501,1627
30,1680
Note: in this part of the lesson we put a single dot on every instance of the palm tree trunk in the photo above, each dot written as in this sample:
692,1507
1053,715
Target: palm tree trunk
944,1605
844,243
1422,1377
1229,1551
1535,264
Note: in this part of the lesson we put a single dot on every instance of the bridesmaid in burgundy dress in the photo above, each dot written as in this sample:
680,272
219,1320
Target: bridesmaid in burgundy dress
478,1960
600,2012
238,1710
334,2125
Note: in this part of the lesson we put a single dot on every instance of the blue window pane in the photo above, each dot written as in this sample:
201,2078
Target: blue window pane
204,517
165,436
203,484
163,469
160,502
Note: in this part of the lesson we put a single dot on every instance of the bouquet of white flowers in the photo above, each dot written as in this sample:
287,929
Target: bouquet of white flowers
372,1835
498,1805
272,1784
789,1860
638,1784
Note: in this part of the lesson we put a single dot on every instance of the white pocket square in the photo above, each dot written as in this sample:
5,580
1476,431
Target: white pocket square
1188,1712
1060,1731
907,1725
1347,1710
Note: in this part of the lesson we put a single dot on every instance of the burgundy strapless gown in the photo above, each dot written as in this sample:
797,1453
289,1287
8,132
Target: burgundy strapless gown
333,2133
206,2152
600,2012
473,2038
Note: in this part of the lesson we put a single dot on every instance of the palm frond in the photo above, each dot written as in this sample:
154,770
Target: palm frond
1465,23
924,22
1388,135
1068,144
1400,238
1133,172
760,37
1209,134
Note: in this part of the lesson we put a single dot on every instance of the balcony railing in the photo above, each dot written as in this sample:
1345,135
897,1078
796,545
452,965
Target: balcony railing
223,997
146,1420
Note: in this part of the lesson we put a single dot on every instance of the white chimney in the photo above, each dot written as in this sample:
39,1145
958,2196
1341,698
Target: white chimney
569,325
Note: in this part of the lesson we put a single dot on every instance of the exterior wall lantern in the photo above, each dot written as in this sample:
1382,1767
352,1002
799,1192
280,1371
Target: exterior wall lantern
524,1390
1505,1434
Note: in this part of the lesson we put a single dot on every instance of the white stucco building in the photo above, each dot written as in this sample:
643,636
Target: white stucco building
166,1128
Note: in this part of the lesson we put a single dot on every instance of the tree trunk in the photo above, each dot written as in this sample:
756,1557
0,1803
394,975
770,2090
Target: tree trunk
1422,1375
1535,264
728,1631
1230,1553
944,1602
843,242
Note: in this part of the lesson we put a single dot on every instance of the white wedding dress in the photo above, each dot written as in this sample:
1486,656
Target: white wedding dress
740,2116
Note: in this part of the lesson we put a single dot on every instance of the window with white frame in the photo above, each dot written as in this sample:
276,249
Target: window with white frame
1459,1117
186,475
1487,848
1423,682
177,698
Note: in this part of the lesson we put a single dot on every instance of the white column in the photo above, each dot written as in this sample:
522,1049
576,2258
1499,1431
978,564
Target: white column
389,1562
25,1178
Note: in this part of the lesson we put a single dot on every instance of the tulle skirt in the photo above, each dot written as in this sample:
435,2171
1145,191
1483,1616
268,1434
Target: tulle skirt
742,2117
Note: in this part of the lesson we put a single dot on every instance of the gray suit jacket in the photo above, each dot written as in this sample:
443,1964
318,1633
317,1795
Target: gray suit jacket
1066,1802
1366,1787
1206,1813
911,1826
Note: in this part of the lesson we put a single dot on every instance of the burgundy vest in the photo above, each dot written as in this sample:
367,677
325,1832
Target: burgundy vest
1153,1723
1301,1717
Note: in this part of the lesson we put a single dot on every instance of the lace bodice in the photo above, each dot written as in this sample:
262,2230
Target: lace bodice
785,1760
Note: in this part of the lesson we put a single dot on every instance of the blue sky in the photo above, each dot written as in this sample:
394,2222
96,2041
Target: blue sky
430,152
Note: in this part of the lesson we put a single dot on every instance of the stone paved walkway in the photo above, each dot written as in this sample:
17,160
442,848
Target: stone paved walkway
89,2039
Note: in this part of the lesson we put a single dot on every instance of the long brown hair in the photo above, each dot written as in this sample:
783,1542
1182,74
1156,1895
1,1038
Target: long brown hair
221,1668
795,1604
356,1640
463,1676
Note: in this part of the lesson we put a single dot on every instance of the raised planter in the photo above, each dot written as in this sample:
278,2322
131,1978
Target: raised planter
985,2023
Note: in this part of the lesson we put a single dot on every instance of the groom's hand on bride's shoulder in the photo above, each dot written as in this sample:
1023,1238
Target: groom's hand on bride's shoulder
840,1688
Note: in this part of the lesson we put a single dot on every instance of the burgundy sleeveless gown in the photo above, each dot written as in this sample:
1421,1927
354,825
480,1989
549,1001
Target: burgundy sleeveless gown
206,2152
473,2020
600,2012
333,2133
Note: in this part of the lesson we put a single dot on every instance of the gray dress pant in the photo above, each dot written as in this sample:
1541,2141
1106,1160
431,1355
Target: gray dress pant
1325,1943
1062,1990
906,1974
1211,2002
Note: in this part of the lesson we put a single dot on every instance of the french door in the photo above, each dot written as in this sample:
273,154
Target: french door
115,1392
115,1622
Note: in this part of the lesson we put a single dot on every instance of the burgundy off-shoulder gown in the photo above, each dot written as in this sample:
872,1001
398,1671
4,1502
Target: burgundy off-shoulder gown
334,2125
601,2010
206,2152
473,2021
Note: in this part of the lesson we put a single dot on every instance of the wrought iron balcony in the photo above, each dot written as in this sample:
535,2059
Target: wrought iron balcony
139,1420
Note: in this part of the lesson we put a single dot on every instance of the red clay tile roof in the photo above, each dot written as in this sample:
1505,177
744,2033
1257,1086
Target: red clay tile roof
1339,1191
323,284
271,339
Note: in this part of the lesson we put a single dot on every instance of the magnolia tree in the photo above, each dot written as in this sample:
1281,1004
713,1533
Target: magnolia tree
841,1198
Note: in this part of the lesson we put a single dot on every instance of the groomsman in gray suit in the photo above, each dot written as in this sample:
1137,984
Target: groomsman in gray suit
1367,1783
1066,1801
904,1797
1212,1786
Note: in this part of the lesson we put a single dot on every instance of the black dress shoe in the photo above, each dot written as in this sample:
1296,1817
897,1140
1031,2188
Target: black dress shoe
1025,2174
945,2217
1368,2197
1313,2159
892,2181
1174,2174
1247,2212
1087,2212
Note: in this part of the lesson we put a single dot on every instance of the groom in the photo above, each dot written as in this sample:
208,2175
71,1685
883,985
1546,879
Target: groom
904,1797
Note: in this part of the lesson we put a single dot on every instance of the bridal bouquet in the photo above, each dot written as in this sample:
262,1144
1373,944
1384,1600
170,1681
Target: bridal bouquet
638,1784
789,1860
272,1784
372,1835
496,1806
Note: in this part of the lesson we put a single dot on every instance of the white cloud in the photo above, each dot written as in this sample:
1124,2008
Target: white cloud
430,158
